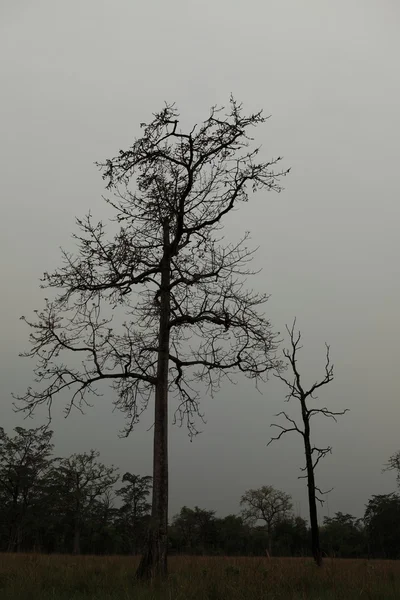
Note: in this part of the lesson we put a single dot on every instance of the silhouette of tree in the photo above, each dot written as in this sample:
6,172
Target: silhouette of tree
313,454
343,535
196,529
382,521
81,481
135,509
189,319
25,462
266,504
393,464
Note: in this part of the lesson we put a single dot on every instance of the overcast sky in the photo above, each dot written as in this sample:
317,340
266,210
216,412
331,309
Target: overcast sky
77,78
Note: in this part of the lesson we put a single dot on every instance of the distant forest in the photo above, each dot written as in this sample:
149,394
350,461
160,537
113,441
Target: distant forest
79,505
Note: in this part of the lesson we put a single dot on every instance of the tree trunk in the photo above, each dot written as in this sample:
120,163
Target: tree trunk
312,502
154,559
76,548
269,533
14,539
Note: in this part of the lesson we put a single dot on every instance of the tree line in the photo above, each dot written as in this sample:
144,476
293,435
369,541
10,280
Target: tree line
79,505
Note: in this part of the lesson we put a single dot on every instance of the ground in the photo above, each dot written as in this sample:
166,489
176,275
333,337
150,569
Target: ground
56,577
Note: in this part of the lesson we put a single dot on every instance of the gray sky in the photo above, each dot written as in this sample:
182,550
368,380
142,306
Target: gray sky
78,77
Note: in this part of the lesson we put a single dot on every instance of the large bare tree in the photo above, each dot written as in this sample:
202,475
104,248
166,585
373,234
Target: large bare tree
189,319
313,454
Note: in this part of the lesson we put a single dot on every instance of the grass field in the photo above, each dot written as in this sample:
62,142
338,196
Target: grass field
40,577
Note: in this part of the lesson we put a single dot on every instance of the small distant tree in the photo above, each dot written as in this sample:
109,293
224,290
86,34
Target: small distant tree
134,495
135,509
189,321
196,529
382,522
266,504
344,536
233,535
313,454
79,482
25,462
99,526
393,464
291,536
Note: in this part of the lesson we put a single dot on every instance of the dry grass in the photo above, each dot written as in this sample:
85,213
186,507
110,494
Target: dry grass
39,577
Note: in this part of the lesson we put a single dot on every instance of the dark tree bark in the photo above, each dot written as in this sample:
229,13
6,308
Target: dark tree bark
14,539
312,454
76,543
312,498
154,559
269,532
189,321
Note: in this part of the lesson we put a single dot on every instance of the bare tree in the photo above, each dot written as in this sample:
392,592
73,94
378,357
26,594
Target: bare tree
393,464
313,454
266,504
189,318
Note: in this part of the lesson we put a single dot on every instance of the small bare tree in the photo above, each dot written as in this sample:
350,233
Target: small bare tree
266,504
313,454
189,318
393,464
